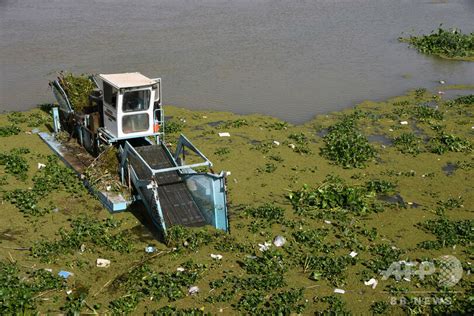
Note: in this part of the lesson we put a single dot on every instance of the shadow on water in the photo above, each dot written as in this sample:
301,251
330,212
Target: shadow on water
145,231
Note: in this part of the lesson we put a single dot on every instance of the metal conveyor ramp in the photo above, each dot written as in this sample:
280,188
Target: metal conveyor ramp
173,193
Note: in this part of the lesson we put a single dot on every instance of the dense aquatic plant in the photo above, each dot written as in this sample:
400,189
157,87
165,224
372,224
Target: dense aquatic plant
445,43
346,146
408,143
77,88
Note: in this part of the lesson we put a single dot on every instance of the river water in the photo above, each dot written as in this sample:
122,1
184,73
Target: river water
291,59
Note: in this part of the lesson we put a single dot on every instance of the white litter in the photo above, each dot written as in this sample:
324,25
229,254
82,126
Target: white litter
108,188
440,92
372,282
279,241
327,222
340,291
264,247
180,269
225,134
204,117
407,279
390,130
193,290
68,292
150,249
353,254
292,146
276,143
404,123
228,173
103,263
41,165
83,248
217,257
442,81
49,270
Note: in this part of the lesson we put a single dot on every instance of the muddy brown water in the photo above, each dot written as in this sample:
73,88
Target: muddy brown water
290,59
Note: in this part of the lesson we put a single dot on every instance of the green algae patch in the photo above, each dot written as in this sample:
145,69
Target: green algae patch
402,206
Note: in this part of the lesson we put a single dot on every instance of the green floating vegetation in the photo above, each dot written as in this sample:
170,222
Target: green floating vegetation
84,231
334,193
408,143
18,294
173,311
172,127
51,178
143,282
346,146
448,233
443,143
182,237
446,43
77,88
15,163
10,130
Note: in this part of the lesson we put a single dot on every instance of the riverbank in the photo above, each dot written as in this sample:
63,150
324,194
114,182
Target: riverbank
412,201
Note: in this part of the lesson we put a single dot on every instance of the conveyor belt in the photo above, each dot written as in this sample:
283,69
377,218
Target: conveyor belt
177,204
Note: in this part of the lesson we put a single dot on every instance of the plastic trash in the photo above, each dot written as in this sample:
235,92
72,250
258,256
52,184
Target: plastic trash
225,134
327,222
180,269
353,254
292,146
276,143
217,257
404,123
150,249
372,282
49,270
68,292
102,263
264,247
193,290
279,241
65,274
339,291
41,165
442,82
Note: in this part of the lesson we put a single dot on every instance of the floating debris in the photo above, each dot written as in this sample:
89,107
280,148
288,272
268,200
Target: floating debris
65,274
264,247
276,143
102,263
404,123
150,249
279,241
373,282
193,290
225,134
41,165
353,254
180,269
217,257
339,291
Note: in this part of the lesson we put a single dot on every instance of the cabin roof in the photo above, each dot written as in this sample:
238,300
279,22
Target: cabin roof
127,80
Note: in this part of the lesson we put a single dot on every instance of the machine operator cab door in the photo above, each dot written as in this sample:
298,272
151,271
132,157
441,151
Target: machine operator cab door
129,104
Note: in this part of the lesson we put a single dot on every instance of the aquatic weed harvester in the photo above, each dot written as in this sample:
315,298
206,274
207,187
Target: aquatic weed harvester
125,112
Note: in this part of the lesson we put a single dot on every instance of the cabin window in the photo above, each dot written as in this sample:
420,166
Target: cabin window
135,123
138,100
110,95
